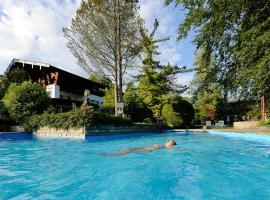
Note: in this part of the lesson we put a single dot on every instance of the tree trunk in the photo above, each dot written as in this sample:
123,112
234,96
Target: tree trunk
116,97
119,54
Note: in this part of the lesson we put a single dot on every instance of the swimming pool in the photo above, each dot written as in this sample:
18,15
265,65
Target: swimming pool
201,166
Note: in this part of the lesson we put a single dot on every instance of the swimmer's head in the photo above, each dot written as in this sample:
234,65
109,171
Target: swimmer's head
170,143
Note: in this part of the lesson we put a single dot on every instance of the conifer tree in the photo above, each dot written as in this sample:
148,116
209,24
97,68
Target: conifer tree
157,82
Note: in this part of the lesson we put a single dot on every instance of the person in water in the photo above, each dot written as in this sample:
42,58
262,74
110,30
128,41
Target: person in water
168,144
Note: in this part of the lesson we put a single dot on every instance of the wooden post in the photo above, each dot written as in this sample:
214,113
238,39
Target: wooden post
263,109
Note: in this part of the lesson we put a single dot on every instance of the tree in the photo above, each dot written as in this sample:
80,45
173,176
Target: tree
205,74
104,37
135,108
24,100
207,92
15,76
179,112
171,117
100,78
185,108
157,82
237,34
207,102
109,100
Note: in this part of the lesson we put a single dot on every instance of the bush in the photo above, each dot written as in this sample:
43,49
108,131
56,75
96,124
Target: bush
107,119
185,109
254,112
148,121
180,113
74,119
15,76
265,123
170,116
24,100
135,108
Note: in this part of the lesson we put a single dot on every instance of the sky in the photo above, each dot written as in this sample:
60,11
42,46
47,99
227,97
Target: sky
32,30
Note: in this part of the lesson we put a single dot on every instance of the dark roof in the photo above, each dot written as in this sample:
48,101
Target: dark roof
67,81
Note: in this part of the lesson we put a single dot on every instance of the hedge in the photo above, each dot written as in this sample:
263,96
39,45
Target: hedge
76,118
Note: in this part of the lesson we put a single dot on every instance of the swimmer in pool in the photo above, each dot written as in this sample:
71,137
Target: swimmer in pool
169,144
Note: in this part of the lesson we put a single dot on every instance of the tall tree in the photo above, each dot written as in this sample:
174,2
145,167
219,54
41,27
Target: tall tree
104,37
237,34
157,82
205,89
205,74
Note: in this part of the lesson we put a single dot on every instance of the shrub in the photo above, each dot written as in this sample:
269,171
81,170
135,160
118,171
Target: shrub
135,108
265,123
171,117
185,109
15,76
74,119
148,121
102,118
24,100
254,112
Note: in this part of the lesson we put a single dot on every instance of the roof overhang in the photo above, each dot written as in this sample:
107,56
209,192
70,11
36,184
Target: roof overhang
28,62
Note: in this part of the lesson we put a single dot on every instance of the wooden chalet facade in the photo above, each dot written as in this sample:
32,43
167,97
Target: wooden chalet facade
64,87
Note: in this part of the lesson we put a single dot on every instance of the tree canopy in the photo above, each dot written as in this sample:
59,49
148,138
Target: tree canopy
25,99
157,82
104,37
237,35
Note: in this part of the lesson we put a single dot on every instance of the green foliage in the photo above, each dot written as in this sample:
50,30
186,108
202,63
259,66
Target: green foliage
76,118
156,82
134,105
254,112
100,78
236,34
207,102
185,109
25,99
148,121
179,113
104,37
15,76
265,123
206,90
102,118
3,110
204,76
84,116
171,117
109,99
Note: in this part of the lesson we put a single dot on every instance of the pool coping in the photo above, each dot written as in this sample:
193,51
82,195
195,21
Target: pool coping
242,131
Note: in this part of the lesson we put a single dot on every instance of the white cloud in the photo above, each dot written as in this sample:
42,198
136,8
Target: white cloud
32,29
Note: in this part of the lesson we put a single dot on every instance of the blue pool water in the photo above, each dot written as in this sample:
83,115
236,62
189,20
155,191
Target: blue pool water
201,166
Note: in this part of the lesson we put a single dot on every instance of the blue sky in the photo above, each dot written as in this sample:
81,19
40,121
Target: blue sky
33,30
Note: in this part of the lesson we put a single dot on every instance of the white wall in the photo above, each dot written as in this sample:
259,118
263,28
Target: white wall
54,91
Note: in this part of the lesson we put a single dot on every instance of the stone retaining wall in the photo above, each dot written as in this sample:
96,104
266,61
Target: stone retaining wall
246,125
46,131
96,130
110,130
